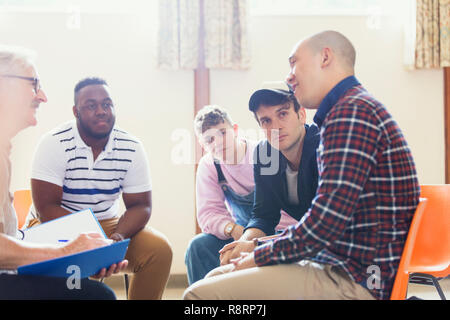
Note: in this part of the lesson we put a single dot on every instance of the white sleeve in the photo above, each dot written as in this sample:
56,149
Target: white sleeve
138,177
49,161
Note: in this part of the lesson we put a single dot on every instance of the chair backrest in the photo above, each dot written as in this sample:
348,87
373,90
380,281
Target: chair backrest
431,253
427,248
401,280
22,203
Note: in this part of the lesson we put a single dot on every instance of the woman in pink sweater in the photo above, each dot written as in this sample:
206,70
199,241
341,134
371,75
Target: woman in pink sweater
224,190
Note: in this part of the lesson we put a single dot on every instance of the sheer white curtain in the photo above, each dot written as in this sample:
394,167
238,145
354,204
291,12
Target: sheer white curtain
225,34
179,22
409,53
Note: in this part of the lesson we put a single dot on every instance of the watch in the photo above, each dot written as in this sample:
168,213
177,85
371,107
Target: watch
229,229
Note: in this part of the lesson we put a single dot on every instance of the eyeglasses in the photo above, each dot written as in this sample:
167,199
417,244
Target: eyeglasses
35,81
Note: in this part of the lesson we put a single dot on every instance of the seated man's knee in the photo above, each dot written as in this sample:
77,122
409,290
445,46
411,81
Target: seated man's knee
220,270
155,244
192,293
199,246
164,249
195,245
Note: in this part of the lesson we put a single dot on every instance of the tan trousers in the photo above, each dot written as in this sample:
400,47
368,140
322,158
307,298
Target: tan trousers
305,280
149,258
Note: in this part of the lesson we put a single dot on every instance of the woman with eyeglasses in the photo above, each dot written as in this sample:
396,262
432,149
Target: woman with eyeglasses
20,97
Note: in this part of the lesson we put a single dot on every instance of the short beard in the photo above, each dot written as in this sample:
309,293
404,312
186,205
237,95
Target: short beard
92,134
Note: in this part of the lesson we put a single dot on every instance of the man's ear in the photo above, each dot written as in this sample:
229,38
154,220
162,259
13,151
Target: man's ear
327,57
235,129
302,114
75,112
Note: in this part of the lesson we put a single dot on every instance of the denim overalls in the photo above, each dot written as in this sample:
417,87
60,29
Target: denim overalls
202,254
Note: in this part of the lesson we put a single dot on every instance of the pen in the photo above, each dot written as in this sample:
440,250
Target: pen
63,240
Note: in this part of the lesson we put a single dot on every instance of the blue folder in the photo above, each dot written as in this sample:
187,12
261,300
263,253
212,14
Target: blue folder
89,262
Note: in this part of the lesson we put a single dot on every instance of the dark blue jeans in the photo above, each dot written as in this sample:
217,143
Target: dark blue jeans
27,287
202,255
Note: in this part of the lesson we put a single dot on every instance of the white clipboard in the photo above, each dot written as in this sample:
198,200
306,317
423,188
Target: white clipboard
65,228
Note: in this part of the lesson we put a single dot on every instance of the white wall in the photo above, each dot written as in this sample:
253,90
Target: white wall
414,98
150,103
153,103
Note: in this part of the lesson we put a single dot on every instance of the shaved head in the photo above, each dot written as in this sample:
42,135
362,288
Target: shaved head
341,46
317,64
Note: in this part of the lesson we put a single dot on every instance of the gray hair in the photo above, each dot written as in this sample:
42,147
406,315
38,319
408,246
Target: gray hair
12,58
210,116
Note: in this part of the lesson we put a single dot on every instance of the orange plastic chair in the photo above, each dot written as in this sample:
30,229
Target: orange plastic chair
22,203
426,254
402,278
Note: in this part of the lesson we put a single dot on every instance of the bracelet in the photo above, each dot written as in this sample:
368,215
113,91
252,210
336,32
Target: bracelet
120,236
234,226
229,231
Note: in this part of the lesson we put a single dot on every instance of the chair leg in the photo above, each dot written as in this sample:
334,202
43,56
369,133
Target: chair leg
438,288
434,281
125,278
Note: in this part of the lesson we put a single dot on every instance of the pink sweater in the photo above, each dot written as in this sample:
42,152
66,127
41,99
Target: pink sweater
212,211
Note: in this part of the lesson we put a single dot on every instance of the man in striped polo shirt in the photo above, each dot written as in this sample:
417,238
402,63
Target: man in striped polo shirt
89,163
349,243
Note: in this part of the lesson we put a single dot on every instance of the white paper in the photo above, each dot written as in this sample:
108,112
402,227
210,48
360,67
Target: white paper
65,228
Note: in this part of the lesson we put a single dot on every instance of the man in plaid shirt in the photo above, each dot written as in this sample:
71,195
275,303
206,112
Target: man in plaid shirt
349,243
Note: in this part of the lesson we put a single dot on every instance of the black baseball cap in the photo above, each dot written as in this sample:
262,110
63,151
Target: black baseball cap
272,94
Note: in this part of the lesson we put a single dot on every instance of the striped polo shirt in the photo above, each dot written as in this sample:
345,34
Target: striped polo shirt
62,158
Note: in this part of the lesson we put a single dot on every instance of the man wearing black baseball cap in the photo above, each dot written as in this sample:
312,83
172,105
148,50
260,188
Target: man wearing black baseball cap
285,169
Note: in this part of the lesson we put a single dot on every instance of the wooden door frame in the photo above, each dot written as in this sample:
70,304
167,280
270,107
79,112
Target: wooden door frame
201,98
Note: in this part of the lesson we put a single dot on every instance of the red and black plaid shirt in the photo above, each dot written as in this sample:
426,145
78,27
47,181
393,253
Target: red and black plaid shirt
367,194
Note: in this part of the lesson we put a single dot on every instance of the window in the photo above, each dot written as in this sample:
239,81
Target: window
324,7
84,6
